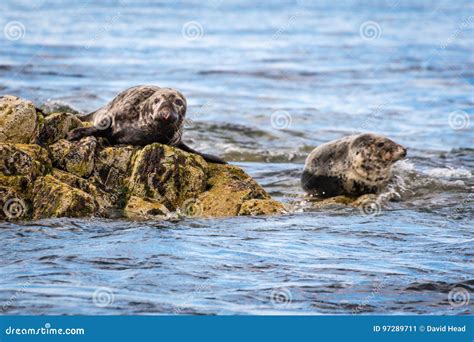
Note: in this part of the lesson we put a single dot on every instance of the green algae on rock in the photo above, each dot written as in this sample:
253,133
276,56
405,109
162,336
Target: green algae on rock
167,175
368,203
86,178
19,122
76,157
138,207
228,188
53,198
21,164
255,207
24,160
56,126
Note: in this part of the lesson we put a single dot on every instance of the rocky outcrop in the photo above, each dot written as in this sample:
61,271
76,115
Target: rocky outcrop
19,121
364,202
56,126
231,192
74,157
43,175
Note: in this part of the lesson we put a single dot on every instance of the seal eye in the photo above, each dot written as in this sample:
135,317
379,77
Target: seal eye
157,100
178,102
380,144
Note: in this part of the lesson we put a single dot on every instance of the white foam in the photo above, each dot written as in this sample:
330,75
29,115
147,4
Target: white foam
449,172
404,165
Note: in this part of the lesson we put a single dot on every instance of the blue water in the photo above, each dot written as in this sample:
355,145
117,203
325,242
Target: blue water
265,84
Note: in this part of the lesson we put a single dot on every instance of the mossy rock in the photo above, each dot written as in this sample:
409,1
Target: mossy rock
256,207
228,188
20,184
138,207
76,157
112,169
56,126
20,165
104,201
53,198
356,202
167,175
19,122
12,205
23,160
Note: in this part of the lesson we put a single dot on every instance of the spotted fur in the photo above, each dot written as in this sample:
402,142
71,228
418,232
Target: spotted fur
353,165
141,115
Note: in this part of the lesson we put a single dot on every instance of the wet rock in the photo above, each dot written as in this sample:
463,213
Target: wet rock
12,205
167,175
112,169
76,157
21,164
326,202
24,160
255,207
56,126
144,208
19,122
357,202
53,198
228,188
104,201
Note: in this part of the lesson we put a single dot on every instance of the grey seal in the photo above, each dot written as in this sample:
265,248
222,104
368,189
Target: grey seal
353,165
141,115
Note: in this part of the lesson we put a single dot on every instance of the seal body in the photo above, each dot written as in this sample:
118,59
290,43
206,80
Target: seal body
353,165
141,115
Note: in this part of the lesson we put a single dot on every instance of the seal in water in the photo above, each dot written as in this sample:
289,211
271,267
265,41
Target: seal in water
141,115
353,165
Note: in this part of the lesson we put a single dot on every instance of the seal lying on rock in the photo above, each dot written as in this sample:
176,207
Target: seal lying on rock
140,116
354,165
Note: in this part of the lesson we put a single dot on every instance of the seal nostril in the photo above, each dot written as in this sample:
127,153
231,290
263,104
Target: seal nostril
165,113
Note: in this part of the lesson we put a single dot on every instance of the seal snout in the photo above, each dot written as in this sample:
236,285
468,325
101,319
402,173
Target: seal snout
404,152
400,153
167,114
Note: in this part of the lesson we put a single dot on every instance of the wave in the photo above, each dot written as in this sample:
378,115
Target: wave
54,106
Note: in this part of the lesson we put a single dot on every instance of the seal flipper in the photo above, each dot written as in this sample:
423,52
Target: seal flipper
207,157
78,133
81,132
321,186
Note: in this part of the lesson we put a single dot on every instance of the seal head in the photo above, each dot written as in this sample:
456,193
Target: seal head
372,156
